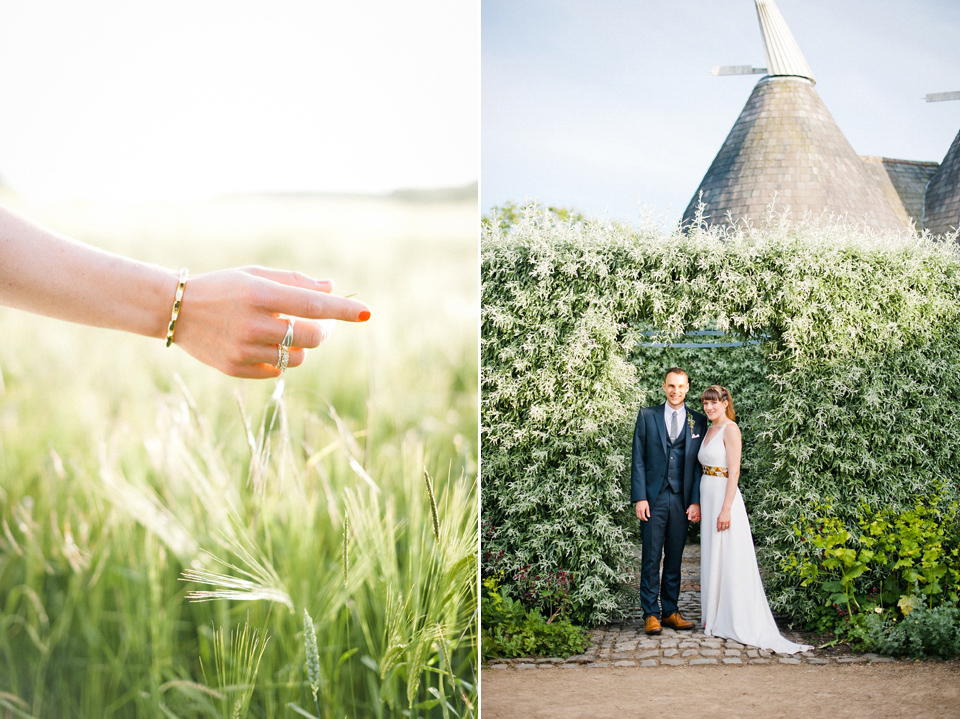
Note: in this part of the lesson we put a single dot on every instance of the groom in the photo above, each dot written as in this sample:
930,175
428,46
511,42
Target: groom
665,485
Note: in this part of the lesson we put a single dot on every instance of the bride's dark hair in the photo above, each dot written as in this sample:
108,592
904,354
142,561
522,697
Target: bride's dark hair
716,393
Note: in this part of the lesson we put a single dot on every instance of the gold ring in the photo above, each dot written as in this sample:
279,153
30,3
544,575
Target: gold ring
282,358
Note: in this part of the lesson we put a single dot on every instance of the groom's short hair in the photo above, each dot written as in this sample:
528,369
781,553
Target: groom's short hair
675,370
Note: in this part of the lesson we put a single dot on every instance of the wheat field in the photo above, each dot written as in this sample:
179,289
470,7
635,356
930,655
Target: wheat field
177,543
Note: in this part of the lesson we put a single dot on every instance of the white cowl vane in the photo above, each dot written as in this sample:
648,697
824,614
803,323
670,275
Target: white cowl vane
783,53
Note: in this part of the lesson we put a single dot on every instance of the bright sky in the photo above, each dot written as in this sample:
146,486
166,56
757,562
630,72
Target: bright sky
121,99
608,105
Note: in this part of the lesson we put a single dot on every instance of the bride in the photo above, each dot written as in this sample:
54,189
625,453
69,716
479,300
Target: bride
732,598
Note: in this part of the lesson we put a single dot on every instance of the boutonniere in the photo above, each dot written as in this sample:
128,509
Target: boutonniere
690,424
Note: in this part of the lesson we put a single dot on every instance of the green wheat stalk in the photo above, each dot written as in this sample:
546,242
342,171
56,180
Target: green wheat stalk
237,669
346,536
313,657
261,580
433,505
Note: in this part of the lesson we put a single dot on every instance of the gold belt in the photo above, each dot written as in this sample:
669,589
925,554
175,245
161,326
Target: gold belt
715,471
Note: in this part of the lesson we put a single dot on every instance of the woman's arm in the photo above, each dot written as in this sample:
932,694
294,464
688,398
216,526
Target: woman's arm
733,443
228,319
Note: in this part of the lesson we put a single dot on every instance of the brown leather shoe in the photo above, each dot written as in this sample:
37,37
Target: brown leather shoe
675,621
653,625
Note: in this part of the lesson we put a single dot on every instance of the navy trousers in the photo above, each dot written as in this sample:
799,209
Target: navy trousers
663,535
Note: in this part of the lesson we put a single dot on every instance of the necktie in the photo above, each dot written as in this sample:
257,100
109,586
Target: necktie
673,426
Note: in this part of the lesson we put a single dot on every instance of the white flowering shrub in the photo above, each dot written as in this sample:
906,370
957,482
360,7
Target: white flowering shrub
850,398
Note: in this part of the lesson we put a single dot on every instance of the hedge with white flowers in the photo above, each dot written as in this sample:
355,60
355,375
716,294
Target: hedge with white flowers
852,394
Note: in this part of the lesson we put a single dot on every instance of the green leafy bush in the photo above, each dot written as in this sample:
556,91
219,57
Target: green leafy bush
548,592
511,630
898,563
923,632
851,392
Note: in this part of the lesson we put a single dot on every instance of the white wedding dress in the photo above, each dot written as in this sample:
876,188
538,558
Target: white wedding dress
732,600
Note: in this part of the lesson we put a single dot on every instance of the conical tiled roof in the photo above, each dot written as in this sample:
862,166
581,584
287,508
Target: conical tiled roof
786,143
941,212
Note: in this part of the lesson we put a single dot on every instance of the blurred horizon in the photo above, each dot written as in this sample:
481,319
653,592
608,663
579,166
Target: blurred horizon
466,192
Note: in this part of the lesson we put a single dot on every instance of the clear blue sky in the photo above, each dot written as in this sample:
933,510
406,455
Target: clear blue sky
607,105
137,99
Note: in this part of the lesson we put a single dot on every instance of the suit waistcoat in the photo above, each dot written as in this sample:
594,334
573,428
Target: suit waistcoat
675,452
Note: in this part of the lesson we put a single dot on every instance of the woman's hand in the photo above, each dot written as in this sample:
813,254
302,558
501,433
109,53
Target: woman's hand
230,319
723,520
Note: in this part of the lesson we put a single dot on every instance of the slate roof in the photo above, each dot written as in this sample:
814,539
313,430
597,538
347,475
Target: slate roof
786,143
903,183
942,200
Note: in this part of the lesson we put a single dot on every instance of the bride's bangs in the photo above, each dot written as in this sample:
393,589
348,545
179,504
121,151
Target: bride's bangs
710,394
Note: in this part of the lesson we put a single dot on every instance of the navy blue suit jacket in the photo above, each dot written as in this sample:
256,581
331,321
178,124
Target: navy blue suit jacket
648,474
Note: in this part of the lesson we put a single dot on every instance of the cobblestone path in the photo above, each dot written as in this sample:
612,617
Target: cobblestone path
626,644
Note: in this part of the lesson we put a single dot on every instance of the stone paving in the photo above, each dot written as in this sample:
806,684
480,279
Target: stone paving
626,644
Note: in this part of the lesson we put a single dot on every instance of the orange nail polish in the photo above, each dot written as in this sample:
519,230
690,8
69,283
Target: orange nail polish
364,316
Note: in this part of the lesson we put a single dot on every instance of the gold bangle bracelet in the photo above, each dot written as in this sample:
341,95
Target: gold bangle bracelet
176,306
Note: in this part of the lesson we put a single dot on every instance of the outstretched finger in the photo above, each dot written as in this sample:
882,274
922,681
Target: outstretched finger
292,278
298,302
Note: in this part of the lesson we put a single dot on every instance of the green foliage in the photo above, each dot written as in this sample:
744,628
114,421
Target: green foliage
548,592
916,549
118,484
506,216
312,657
512,630
123,601
545,591
923,632
851,392
236,669
899,562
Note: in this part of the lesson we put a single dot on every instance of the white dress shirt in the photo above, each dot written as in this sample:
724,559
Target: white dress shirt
668,417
